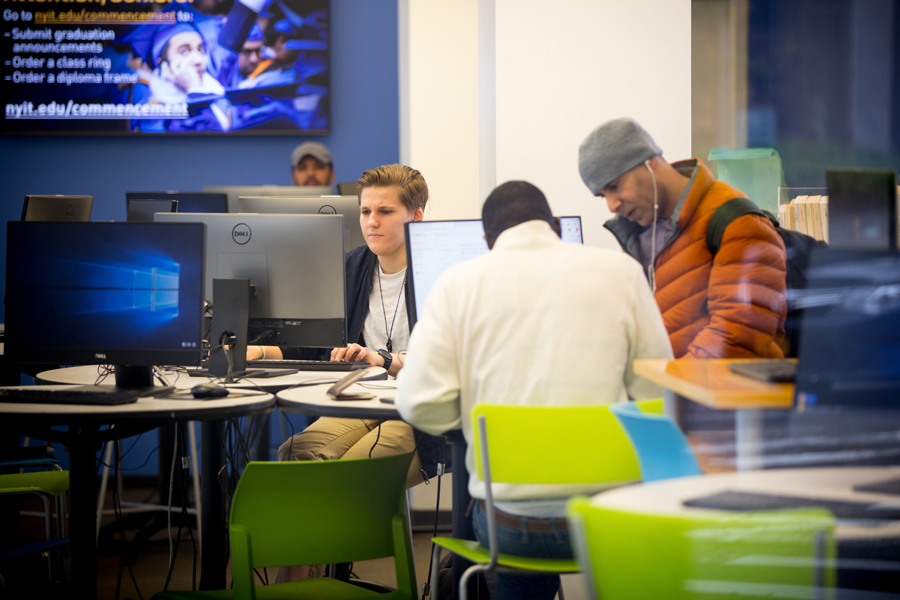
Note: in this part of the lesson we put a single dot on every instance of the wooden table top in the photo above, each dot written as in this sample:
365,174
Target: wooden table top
712,384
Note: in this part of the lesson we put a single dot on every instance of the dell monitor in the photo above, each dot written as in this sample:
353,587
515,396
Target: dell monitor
105,293
348,206
432,246
295,266
193,202
57,208
142,211
282,191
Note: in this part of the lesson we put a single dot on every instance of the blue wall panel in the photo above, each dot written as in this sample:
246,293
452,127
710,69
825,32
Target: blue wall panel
365,134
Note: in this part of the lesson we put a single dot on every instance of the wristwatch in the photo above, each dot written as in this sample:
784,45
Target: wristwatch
388,359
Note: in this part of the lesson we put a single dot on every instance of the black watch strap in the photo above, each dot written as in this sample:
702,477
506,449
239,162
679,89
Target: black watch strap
388,359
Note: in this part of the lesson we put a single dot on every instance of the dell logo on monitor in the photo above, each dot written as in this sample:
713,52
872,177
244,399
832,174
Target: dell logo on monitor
100,356
241,233
327,209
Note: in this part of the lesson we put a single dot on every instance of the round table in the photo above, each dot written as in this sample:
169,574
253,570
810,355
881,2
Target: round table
88,374
81,432
310,399
867,552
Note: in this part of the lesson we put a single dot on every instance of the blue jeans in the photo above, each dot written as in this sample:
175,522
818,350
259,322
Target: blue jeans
521,542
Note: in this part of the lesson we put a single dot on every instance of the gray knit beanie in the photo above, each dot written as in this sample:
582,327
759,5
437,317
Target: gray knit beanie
612,149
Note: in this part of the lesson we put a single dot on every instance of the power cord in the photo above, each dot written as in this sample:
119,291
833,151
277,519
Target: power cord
426,587
377,437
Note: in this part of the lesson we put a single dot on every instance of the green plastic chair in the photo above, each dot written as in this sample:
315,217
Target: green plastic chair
314,512
47,485
539,445
693,555
652,406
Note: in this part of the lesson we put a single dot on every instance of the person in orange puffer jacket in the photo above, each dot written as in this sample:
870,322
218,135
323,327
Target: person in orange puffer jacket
731,305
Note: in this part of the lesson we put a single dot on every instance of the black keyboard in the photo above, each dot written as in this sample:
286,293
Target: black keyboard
306,365
93,395
778,370
749,501
890,486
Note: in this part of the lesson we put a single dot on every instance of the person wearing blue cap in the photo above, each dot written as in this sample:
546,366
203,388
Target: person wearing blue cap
180,61
251,52
238,66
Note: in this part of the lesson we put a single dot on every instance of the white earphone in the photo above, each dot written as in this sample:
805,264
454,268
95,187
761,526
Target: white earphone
651,270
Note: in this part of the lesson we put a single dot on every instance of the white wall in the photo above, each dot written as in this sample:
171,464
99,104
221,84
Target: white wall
558,69
563,68
439,101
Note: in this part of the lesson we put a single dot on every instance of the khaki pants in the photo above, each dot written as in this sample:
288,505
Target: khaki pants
329,439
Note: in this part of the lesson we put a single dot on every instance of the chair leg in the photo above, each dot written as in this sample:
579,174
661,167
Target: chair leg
464,580
435,570
48,516
560,592
195,474
104,480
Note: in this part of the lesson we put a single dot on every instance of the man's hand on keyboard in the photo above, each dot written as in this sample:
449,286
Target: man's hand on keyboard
356,353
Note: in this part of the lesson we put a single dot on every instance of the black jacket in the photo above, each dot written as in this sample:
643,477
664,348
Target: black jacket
359,268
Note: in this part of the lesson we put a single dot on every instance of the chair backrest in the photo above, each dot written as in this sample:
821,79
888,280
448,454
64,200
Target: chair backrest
703,554
554,445
314,512
662,449
654,406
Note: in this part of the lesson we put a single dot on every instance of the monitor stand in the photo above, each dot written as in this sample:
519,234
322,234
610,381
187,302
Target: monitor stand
230,321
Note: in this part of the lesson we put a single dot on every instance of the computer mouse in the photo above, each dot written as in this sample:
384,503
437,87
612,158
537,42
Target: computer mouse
206,390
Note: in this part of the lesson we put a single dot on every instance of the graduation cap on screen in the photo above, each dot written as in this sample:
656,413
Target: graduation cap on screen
141,40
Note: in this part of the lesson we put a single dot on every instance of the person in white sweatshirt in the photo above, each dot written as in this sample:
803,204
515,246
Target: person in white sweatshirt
535,321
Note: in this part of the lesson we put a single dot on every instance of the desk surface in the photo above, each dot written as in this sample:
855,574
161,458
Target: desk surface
711,383
311,400
87,375
667,497
149,409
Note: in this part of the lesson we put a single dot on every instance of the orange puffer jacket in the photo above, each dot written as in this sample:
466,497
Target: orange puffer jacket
732,305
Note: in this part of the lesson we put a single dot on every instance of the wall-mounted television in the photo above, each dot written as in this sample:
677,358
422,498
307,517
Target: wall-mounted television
211,67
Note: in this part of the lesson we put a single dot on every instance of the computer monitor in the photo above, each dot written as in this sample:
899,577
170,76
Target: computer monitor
862,208
850,330
432,246
295,264
104,293
348,206
142,211
193,202
282,191
570,230
57,208
347,188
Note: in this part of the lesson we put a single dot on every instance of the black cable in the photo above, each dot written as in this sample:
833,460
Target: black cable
185,477
118,520
437,512
291,447
133,468
117,512
103,371
100,462
173,548
377,437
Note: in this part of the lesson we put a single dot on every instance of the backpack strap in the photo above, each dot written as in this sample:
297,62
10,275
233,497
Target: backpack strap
724,215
